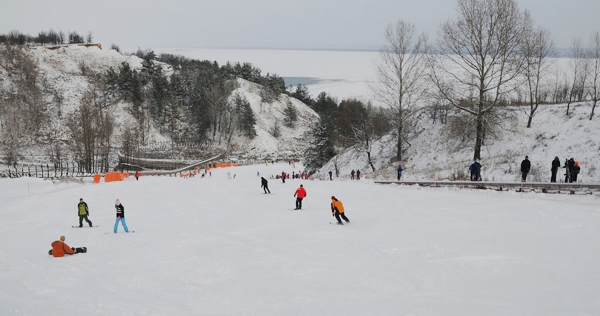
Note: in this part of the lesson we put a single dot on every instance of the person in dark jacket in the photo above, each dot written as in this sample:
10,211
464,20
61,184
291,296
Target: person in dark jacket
575,171
330,176
352,175
337,210
83,212
569,164
120,216
357,174
475,170
555,166
264,184
525,167
60,248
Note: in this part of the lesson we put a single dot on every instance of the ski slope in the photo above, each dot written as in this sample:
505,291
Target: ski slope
218,246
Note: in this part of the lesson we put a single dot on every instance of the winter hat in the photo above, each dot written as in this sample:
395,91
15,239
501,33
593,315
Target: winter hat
333,197
117,202
62,238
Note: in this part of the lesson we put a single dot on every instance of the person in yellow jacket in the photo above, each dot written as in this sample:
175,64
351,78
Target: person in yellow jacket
337,210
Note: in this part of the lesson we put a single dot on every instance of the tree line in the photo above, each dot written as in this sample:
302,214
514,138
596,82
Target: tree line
45,38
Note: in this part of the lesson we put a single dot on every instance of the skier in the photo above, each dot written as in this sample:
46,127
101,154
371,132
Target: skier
337,210
120,216
330,176
60,248
299,194
137,175
554,169
399,171
84,212
264,184
525,167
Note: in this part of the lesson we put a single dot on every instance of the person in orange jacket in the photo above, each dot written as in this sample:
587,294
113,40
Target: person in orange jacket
299,194
337,210
60,248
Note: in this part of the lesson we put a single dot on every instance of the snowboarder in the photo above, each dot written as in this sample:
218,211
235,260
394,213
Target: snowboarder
84,212
137,175
337,210
330,176
264,184
525,167
120,216
554,169
60,248
399,171
299,194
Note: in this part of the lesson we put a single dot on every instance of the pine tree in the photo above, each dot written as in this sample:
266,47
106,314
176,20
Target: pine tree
247,119
320,147
291,114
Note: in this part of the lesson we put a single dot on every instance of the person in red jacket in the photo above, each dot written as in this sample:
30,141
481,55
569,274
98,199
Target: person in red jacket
299,194
60,248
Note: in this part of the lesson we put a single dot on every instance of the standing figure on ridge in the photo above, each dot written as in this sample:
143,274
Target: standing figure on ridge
525,167
554,169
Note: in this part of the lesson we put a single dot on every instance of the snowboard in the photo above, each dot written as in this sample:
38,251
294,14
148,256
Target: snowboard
85,226
75,250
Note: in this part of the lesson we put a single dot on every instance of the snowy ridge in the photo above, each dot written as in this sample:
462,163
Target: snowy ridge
433,156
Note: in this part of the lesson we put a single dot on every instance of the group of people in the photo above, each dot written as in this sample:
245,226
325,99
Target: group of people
60,248
352,173
571,166
337,208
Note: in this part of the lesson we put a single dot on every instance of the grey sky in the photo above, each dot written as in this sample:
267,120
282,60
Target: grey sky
297,24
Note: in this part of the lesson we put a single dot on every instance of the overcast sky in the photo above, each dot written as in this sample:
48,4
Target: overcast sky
288,24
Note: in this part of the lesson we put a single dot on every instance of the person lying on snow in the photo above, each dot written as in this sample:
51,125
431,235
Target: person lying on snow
60,248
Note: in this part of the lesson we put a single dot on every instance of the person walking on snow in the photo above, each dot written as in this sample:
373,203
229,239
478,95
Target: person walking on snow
357,174
330,176
399,171
264,184
337,210
525,167
60,248
137,175
299,194
120,216
554,169
83,212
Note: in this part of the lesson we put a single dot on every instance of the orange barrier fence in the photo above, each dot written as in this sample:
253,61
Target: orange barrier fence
225,165
97,178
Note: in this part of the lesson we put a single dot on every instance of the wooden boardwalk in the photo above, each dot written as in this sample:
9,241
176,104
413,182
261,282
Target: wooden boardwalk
542,187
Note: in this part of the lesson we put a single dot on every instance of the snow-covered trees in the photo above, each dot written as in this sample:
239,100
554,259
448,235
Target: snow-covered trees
320,147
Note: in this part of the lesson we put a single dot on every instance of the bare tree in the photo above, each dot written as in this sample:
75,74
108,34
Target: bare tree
400,75
479,58
594,55
579,68
364,133
537,48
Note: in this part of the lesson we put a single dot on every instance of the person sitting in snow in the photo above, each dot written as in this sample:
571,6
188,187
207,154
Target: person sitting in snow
60,248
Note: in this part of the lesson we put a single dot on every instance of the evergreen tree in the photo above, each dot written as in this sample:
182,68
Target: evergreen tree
320,147
247,119
291,114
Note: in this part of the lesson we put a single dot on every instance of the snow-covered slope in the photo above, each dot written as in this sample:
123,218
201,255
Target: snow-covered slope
433,156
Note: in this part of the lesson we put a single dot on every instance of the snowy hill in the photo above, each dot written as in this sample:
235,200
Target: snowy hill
65,73
433,156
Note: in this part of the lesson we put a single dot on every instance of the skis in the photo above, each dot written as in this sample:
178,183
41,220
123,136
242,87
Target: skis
129,232
85,226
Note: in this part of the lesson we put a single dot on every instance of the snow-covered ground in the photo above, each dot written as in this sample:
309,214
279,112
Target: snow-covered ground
218,246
